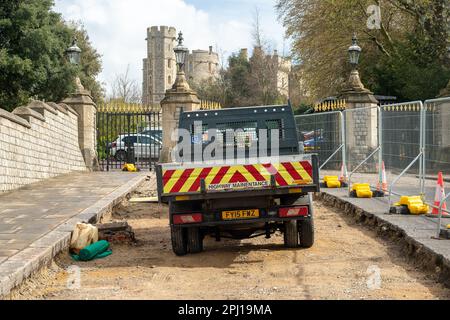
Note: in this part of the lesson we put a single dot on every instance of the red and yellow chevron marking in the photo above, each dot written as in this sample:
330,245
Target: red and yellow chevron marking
237,177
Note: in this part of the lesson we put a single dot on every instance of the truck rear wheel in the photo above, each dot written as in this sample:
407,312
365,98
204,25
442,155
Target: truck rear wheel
194,240
179,241
291,234
306,233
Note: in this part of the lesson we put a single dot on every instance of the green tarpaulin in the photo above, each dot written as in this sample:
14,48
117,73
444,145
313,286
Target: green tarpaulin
97,250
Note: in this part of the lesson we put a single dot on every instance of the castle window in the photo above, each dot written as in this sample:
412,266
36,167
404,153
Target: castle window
169,63
170,80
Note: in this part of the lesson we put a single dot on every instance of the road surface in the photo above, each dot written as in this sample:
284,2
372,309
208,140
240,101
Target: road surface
347,262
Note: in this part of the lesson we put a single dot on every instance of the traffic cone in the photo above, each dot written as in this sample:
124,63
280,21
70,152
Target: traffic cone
382,184
343,176
440,195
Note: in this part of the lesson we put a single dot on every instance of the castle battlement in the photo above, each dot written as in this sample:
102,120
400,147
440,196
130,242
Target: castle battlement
162,31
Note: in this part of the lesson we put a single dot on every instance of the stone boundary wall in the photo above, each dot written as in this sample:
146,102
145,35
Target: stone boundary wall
37,142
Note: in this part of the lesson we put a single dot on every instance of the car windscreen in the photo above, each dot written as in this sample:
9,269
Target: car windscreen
130,140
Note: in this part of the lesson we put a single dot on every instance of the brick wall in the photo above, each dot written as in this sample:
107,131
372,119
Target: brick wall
38,142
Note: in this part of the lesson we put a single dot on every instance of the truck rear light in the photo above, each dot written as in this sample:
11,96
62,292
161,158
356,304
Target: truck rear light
294,212
187,218
114,145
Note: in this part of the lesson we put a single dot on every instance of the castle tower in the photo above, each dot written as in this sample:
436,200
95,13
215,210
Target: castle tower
159,68
202,65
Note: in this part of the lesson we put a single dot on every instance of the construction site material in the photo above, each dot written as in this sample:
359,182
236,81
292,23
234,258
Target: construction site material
344,176
83,236
445,234
410,205
361,190
97,250
116,233
128,167
382,184
438,198
331,182
144,200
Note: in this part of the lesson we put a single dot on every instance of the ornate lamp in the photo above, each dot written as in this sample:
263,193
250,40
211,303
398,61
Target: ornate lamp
181,53
74,53
354,52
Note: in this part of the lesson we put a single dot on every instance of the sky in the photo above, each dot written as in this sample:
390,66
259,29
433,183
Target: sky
117,28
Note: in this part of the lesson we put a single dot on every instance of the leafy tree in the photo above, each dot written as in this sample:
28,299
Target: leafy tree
238,73
33,40
407,56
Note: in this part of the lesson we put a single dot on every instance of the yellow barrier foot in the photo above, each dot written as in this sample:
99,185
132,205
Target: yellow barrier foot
361,190
410,206
333,182
128,167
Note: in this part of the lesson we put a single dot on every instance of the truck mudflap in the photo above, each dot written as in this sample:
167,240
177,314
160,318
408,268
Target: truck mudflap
289,172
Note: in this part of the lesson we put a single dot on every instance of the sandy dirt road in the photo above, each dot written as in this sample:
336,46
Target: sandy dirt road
344,260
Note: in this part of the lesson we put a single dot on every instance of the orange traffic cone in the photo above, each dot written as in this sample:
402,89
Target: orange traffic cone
382,184
440,195
343,176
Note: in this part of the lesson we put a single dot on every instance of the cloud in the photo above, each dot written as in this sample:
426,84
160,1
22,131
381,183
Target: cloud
117,28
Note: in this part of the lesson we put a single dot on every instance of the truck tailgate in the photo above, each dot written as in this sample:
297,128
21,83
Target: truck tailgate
287,172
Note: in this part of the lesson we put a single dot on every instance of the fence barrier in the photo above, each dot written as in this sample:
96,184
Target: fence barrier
363,144
410,140
323,133
402,132
437,150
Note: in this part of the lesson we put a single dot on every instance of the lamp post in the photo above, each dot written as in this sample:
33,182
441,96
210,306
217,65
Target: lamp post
181,53
81,101
180,98
73,54
354,52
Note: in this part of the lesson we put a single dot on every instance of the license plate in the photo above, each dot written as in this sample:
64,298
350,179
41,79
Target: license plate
240,214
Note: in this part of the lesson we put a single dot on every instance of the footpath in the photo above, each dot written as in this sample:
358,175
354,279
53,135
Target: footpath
36,221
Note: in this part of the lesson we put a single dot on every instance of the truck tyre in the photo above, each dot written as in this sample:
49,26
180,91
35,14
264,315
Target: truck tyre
194,240
306,233
291,234
179,241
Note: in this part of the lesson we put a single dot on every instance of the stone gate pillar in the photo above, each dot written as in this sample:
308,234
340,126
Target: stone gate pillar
178,99
83,104
361,123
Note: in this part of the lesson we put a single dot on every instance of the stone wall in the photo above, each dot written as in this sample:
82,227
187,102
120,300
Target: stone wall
38,142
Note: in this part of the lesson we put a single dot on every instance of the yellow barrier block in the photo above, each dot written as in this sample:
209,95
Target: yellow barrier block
129,167
415,205
362,190
332,182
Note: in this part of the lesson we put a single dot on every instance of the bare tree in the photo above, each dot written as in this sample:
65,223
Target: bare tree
257,33
126,89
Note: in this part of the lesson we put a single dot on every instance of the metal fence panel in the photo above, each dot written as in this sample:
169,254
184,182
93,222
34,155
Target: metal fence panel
402,145
363,144
322,134
437,145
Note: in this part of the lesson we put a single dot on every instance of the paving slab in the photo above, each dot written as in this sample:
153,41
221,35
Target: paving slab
36,222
